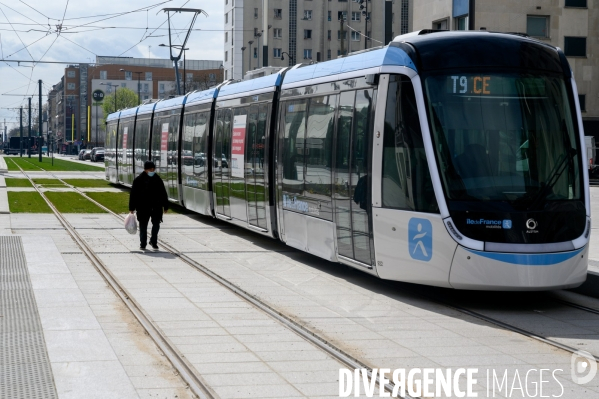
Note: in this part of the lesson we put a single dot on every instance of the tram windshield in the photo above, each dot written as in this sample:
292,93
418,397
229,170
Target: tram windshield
506,137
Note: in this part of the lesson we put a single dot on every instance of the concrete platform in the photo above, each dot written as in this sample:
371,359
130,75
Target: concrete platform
95,347
3,167
4,208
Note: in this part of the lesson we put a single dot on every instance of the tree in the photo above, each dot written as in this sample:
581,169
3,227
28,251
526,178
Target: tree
125,98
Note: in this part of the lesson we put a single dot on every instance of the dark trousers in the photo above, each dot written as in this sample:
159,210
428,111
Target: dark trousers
143,219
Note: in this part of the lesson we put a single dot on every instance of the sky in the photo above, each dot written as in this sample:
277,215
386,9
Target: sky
75,31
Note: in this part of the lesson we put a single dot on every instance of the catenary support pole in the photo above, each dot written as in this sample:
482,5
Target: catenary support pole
41,136
21,132
29,135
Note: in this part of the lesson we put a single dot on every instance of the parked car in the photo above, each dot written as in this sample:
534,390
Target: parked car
80,157
86,155
97,154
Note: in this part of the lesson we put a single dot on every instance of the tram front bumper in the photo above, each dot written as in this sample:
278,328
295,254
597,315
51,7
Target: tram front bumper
481,270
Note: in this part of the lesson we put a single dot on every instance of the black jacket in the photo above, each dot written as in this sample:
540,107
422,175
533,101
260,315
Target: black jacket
148,194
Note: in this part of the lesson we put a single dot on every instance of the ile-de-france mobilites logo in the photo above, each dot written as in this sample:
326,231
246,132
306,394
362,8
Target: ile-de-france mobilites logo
420,233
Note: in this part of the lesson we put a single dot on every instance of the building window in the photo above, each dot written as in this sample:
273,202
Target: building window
329,34
255,32
440,25
148,75
255,52
226,75
277,33
226,56
582,99
575,46
342,15
70,86
308,54
256,13
537,26
355,16
307,33
576,3
109,87
123,84
189,77
308,15
276,52
278,13
226,37
145,97
227,18
339,35
161,88
461,23
328,54
71,74
128,75
146,87
103,75
329,16
212,76
355,36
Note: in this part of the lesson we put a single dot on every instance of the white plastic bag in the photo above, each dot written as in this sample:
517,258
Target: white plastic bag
131,224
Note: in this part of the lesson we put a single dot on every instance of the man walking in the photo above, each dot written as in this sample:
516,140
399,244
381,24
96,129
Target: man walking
148,197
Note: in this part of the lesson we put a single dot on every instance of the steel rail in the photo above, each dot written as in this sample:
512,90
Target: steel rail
183,367
305,333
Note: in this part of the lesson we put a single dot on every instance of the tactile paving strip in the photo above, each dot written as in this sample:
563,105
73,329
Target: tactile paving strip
25,371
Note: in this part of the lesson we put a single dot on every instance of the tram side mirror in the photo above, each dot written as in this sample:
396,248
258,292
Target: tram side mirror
372,79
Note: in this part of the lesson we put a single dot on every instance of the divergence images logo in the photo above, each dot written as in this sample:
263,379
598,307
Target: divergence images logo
583,367
420,239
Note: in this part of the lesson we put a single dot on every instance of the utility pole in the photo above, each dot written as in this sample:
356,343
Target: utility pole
41,137
21,131
364,9
29,139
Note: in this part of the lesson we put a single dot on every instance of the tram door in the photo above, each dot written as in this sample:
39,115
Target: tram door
255,149
222,155
172,158
351,180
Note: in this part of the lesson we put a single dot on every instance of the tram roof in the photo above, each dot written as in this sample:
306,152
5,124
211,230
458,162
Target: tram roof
113,116
467,49
387,56
198,97
171,103
129,112
146,109
256,86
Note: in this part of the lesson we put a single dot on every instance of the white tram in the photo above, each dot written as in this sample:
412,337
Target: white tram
451,159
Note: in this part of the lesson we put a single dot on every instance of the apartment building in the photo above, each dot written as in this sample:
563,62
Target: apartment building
279,33
572,25
70,98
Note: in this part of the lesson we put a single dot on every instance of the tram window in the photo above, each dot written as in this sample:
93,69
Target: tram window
200,162
406,181
294,145
318,147
187,150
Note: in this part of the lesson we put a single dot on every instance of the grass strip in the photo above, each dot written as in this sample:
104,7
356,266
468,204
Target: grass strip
11,182
116,202
33,164
48,182
89,183
119,202
27,202
70,202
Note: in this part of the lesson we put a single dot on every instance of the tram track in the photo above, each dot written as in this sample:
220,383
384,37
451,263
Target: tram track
328,346
198,386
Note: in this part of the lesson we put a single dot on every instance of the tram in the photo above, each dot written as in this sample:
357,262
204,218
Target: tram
452,159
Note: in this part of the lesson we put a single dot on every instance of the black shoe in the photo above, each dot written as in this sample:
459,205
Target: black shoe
154,246
142,247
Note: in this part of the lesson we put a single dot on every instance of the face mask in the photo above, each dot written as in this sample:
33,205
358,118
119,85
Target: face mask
151,174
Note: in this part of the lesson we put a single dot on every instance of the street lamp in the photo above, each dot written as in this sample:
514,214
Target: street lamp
138,84
184,66
242,50
115,86
258,36
289,55
222,73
